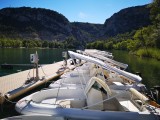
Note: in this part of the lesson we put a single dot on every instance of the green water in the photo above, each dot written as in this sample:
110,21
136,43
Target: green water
149,68
22,56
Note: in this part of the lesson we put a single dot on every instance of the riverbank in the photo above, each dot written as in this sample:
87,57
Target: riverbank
150,53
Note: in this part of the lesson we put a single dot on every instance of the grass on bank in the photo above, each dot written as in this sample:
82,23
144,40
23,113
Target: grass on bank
149,52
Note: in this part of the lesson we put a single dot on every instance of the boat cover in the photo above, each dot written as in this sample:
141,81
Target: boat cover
106,66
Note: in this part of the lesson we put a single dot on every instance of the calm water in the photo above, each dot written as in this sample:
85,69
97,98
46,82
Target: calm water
149,68
22,56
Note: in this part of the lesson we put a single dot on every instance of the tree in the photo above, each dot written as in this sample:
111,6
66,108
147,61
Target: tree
0,44
154,11
99,44
156,36
45,43
38,43
144,36
133,45
108,45
71,42
17,43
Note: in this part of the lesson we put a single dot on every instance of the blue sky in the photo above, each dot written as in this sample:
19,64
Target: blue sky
92,11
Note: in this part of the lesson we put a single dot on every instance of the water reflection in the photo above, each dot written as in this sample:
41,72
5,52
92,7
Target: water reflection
149,68
22,56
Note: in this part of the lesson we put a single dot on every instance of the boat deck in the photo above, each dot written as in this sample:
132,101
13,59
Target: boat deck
11,82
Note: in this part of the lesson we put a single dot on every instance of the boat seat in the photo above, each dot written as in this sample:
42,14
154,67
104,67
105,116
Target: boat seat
113,105
72,103
129,106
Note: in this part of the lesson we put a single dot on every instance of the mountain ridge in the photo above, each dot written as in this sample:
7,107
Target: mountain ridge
44,24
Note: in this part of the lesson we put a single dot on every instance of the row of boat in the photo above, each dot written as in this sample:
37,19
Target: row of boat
99,89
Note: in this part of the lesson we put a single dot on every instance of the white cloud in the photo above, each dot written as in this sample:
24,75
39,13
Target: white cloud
82,15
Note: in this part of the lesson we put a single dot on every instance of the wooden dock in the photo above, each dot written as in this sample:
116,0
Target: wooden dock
11,82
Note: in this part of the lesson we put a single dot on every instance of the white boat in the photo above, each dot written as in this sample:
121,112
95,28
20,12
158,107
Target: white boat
96,101
98,52
108,60
116,78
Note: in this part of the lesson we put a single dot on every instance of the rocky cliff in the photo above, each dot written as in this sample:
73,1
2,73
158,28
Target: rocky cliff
127,20
33,23
43,24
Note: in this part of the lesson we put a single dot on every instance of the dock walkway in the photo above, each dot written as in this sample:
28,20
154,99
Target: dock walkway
16,80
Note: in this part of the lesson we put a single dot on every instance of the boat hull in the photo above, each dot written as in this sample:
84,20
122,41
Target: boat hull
84,114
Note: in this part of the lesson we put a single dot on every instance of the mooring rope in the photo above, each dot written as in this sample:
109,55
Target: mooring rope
43,70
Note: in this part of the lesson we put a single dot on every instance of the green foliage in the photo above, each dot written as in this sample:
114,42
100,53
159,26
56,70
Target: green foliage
145,36
10,43
30,43
96,45
133,45
45,44
17,43
121,45
118,42
71,42
108,45
150,52
155,17
155,10
99,44
156,36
